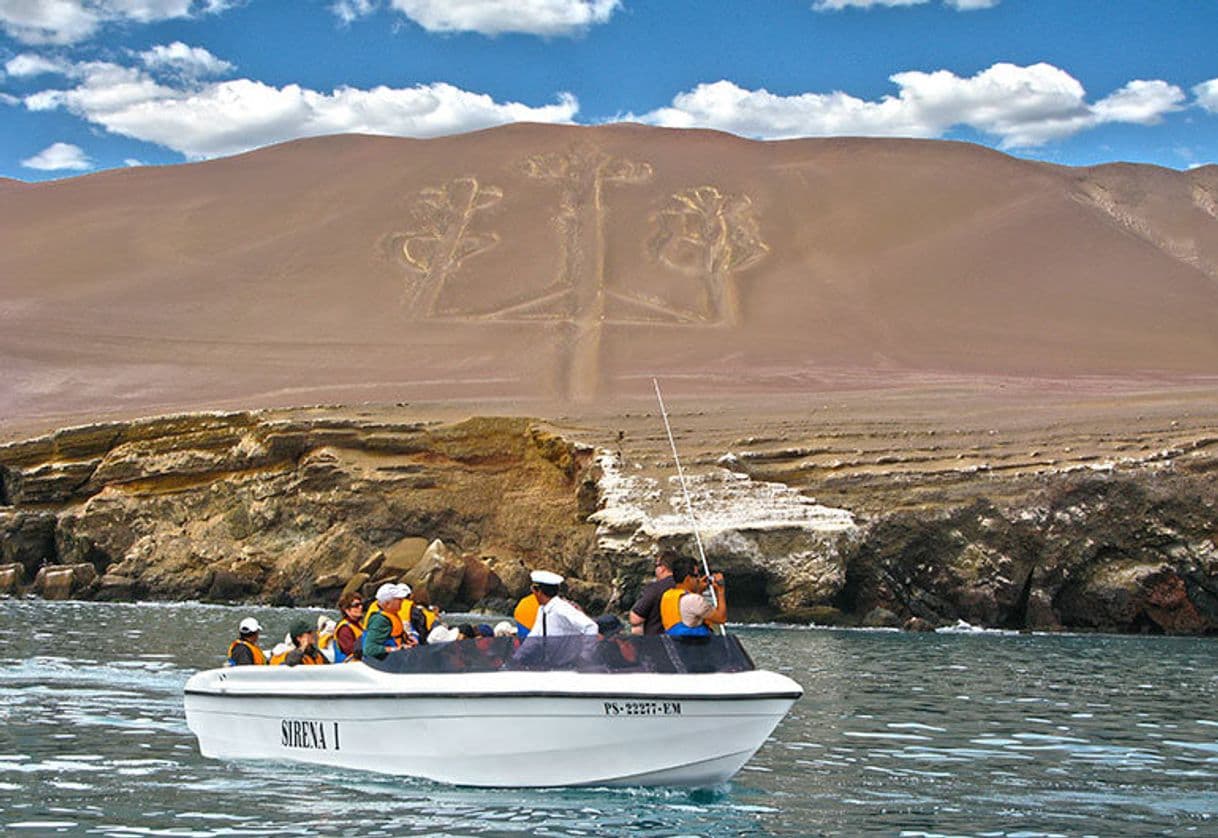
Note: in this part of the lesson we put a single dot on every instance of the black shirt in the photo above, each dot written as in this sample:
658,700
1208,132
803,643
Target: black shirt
648,605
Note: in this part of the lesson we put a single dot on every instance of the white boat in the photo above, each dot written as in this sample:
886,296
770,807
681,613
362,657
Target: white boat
503,724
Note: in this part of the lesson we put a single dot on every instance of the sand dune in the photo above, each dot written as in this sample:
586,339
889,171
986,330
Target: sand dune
571,264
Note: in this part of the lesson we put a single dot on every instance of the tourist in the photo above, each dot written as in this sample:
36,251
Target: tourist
350,628
325,636
608,625
244,651
441,633
416,615
556,616
615,651
505,628
385,632
645,613
304,647
683,610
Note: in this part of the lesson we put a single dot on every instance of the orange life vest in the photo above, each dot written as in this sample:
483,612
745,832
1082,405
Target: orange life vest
408,607
258,655
526,611
398,631
281,659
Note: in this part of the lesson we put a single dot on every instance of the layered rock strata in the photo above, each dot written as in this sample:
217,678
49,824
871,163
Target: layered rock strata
297,506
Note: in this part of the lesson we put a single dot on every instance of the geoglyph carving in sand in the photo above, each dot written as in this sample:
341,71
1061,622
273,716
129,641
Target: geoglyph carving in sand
701,232
442,239
705,233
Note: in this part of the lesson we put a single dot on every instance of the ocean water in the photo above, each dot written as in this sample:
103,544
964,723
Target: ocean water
899,734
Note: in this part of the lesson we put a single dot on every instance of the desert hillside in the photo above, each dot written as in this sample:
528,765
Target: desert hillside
567,264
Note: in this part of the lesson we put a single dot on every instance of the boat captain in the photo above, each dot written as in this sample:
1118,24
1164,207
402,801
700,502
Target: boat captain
555,615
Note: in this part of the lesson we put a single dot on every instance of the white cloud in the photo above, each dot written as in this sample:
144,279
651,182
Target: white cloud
1207,95
218,118
48,21
496,17
1023,106
1139,102
349,11
29,64
189,62
838,5
58,157
72,21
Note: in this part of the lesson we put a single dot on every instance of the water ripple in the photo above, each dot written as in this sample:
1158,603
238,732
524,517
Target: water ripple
968,733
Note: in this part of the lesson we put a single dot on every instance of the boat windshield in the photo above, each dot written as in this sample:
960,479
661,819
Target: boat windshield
661,654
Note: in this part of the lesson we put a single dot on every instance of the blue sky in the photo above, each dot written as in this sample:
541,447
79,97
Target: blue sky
87,85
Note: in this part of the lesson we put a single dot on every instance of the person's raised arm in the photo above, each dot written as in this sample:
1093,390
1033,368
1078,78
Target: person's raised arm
719,615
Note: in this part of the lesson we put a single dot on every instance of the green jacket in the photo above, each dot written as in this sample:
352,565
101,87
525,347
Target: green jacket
378,633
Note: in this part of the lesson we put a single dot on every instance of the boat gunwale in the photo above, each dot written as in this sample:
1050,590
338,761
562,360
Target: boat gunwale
652,696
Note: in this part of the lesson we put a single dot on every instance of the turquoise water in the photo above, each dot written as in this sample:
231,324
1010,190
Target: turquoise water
899,734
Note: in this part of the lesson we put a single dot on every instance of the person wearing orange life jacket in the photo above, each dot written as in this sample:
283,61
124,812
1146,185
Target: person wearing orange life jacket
244,651
304,651
350,628
420,621
384,631
684,612
525,615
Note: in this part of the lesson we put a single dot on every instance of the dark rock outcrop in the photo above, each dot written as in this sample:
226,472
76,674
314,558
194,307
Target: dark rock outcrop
1102,553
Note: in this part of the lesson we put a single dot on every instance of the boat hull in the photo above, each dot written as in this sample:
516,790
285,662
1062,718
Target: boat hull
493,729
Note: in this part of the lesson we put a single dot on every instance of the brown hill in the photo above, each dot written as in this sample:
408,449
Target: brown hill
546,262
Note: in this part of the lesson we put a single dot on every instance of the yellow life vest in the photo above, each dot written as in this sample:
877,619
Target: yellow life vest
670,606
281,658
372,608
429,616
357,629
258,655
670,609
526,611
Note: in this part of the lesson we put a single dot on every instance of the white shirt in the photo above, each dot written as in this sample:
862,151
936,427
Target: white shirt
559,617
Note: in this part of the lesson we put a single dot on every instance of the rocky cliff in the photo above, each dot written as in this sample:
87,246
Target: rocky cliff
296,506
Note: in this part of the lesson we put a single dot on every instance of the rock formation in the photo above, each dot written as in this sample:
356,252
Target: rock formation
297,506
243,505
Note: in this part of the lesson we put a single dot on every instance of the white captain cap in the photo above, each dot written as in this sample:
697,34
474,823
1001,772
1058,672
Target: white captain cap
391,590
545,577
249,626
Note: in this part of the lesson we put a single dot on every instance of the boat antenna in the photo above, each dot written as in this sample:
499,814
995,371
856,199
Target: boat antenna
689,507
